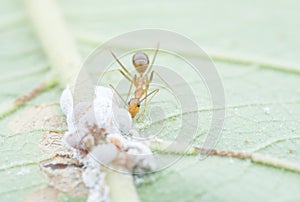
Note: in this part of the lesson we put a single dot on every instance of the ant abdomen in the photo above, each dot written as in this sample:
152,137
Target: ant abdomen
140,62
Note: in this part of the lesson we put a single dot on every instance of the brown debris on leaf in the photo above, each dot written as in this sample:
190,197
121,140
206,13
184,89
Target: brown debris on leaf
45,194
51,142
62,170
64,174
39,117
24,98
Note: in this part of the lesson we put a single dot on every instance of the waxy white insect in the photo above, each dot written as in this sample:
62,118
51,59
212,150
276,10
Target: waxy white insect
97,134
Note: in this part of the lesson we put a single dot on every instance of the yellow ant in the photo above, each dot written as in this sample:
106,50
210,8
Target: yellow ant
141,81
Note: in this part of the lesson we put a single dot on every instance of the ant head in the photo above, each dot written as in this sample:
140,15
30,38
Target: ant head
140,62
133,106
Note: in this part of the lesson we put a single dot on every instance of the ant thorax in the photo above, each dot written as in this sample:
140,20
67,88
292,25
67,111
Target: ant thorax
140,80
139,92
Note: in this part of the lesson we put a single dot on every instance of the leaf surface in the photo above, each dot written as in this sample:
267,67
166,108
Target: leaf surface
255,49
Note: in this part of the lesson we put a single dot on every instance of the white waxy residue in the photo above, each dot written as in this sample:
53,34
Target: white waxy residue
266,110
97,132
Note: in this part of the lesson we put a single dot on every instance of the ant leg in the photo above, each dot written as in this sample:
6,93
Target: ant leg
119,70
152,94
142,113
130,88
125,75
161,78
153,60
118,61
151,76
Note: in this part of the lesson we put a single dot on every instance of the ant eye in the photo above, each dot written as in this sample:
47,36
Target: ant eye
138,105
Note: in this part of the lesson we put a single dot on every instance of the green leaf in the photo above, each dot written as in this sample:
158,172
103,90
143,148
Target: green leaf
255,49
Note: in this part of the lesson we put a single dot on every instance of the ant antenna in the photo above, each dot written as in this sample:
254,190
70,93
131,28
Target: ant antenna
153,92
118,94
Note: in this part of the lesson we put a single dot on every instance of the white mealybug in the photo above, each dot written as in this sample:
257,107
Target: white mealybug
97,131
